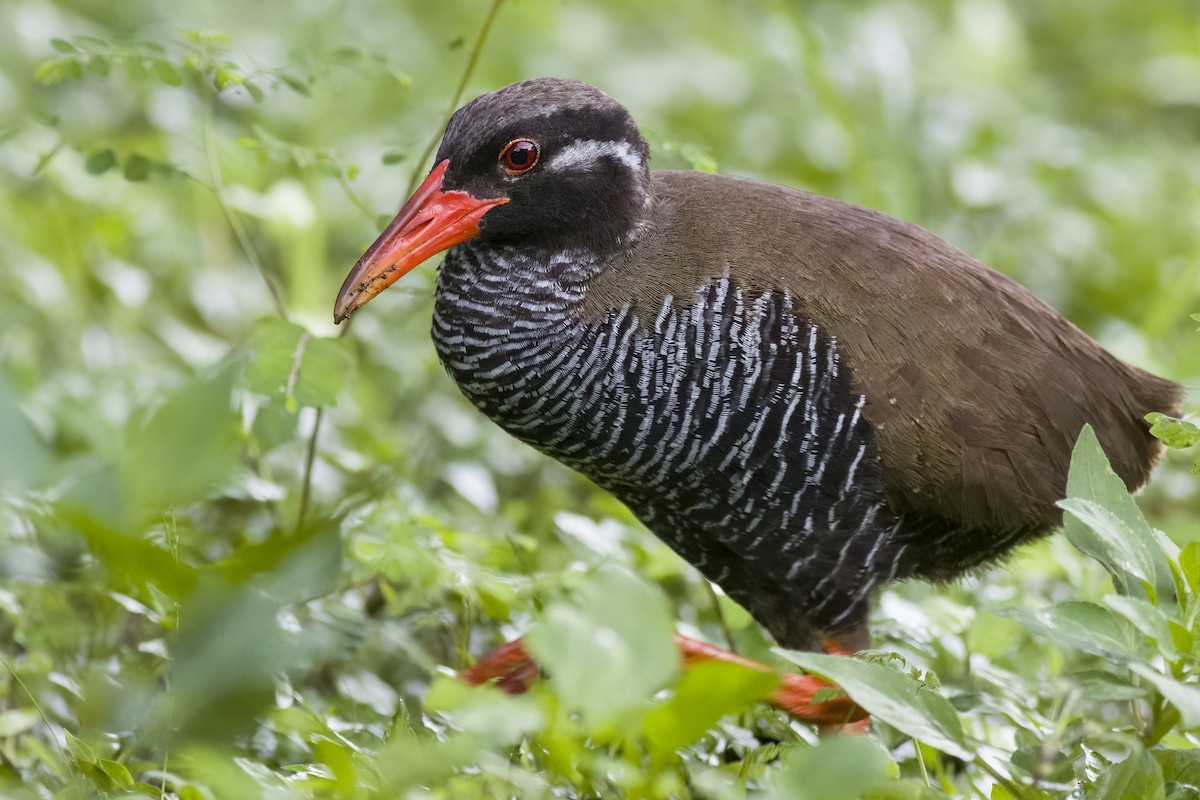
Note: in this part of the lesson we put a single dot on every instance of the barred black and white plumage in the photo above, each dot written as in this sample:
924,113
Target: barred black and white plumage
724,422
806,399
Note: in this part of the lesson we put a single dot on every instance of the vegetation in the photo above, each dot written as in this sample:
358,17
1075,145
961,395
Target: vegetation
244,552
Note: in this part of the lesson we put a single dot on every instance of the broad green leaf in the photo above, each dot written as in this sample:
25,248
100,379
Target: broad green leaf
608,650
498,718
98,66
232,645
1184,696
132,559
707,692
63,46
17,720
1148,619
340,760
100,162
1045,764
1122,547
1104,522
1180,767
1137,777
1189,563
136,168
80,750
184,449
117,772
839,768
289,363
23,457
1079,624
165,72
1097,684
893,697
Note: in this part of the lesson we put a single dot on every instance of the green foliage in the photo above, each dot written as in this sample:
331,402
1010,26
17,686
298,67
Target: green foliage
243,556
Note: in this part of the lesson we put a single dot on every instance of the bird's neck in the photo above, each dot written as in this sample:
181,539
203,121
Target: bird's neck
500,315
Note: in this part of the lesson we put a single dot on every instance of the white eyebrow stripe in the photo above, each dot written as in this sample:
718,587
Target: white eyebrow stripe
586,152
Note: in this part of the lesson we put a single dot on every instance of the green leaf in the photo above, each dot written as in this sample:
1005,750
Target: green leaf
1104,522
485,711
1148,619
839,768
24,458
1123,548
1138,777
609,649
1176,433
63,46
707,692
100,162
165,72
1097,684
1181,767
227,76
1044,763
1079,624
58,69
79,749
288,362
893,697
99,66
15,721
136,168
117,772
184,449
1189,564
295,84
1184,696
131,559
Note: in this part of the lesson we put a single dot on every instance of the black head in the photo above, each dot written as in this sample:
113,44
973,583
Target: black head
544,164
567,156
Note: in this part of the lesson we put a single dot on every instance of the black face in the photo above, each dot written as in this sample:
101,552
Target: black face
568,157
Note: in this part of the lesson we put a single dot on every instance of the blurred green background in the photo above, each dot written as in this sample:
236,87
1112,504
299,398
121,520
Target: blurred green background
236,547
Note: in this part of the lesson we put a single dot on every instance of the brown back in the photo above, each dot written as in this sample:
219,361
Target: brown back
977,390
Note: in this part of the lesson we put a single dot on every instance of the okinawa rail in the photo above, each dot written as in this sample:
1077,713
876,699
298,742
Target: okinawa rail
804,398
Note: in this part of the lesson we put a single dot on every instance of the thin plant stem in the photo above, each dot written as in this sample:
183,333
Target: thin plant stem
921,762
231,219
310,458
59,748
472,60
344,182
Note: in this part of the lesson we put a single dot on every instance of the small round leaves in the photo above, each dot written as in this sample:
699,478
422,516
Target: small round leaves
519,156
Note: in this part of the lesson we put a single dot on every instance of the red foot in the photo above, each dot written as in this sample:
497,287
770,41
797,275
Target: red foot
795,693
514,672
509,664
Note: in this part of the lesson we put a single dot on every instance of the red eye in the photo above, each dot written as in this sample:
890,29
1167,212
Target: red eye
519,156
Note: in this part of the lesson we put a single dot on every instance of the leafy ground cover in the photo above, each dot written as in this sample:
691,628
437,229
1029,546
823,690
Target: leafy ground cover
244,553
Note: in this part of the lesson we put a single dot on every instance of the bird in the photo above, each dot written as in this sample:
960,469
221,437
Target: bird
804,398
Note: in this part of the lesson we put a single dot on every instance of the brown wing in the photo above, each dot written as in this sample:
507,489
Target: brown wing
977,390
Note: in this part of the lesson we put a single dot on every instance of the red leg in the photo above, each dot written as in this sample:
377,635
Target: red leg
509,664
514,672
795,693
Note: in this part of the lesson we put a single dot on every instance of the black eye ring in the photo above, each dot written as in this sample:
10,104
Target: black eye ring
519,156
